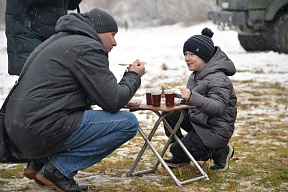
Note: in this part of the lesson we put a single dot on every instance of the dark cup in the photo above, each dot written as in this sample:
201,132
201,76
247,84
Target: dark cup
156,97
148,96
169,97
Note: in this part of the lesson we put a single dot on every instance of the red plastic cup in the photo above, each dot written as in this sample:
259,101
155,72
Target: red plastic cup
148,96
156,97
169,97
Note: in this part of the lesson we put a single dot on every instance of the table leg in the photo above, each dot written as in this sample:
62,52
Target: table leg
173,135
147,142
160,156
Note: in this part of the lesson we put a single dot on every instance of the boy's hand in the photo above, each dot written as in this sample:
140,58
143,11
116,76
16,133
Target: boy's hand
185,94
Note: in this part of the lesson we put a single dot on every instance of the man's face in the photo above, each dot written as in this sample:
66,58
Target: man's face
108,40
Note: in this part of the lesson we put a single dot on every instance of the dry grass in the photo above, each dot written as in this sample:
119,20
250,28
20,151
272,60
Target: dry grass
260,162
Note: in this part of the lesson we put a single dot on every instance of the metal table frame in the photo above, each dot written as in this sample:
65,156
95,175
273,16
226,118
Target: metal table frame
161,118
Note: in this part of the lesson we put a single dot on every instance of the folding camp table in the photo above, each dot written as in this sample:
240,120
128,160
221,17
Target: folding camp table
157,111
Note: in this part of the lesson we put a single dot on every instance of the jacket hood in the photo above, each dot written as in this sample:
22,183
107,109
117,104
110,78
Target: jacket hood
77,23
219,62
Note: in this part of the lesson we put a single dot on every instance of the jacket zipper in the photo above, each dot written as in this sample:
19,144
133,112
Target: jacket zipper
31,20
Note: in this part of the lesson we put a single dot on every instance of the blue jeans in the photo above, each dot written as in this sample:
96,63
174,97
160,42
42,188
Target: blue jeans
98,134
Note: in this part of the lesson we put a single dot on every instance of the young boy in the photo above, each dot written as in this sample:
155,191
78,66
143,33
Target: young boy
211,124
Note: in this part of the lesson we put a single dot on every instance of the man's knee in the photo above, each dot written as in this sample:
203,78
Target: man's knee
132,124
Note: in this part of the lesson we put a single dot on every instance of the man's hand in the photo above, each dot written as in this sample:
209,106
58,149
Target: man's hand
185,94
137,67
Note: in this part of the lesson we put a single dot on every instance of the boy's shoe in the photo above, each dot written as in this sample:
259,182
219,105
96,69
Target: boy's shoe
222,157
32,169
52,177
175,162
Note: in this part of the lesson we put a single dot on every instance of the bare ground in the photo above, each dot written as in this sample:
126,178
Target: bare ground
261,133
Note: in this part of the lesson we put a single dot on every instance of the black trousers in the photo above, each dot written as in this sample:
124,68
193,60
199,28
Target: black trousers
191,141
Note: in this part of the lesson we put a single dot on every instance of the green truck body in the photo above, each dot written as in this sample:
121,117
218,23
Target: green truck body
261,24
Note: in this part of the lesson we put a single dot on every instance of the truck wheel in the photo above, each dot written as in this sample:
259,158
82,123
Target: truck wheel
252,43
277,34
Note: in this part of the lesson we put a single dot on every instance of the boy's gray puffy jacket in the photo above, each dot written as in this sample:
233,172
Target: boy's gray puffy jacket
213,94
63,81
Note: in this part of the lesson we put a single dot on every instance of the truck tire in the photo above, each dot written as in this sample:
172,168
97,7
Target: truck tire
252,43
277,34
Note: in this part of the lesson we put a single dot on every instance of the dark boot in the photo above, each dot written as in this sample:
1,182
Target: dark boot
32,169
222,157
52,177
176,162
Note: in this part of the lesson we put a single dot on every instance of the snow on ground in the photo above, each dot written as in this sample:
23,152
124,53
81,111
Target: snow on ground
160,46
163,45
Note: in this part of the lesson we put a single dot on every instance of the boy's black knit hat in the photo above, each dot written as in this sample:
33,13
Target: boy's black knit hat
103,21
201,45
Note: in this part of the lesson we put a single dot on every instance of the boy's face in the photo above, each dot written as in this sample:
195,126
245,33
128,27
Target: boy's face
194,63
108,40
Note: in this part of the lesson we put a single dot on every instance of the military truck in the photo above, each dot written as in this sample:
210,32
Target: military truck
261,24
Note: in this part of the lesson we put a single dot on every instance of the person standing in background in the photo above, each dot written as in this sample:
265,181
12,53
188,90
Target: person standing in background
28,23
